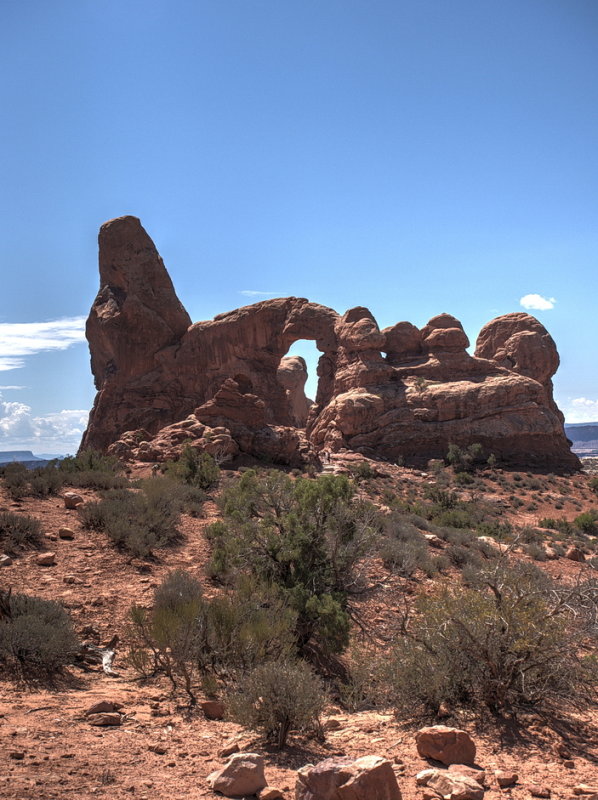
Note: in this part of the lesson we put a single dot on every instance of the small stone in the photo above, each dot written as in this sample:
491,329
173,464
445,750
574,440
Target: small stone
422,778
228,749
584,789
104,720
471,772
5,561
103,706
212,709
46,559
270,793
505,778
455,787
72,500
538,791
569,763
332,724
158,749
17,755
448,745
66,533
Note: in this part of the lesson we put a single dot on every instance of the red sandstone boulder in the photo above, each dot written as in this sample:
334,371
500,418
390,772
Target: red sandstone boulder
346,779
444,744
243,775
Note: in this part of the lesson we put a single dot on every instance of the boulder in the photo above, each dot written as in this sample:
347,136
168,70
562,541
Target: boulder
445,744
506,778
243,775
347,779
478,775
575,554
66,533
212,709
72,500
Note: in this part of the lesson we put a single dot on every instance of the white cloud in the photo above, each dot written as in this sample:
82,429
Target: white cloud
581,409
254,293
59,432
537,303
12,387
21,339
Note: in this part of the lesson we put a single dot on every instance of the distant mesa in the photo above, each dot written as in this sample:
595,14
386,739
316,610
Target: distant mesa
584,438
25,457
227,385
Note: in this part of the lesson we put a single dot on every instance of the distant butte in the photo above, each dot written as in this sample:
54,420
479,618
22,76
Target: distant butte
226,386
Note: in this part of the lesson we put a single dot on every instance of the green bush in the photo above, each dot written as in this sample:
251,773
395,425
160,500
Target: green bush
278,697
19,531
587,522
195,468
16,480
406,557
303,536
137,520
593,484
36,636
509,640
190,638
466,460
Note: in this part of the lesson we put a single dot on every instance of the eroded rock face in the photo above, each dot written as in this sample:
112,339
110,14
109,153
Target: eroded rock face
227,386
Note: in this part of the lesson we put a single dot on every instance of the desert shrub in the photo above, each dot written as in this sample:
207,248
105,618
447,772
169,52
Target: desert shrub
461,556
508,640
465,460
19,531
189,637
303,536
536,551
406,557
593,484
139,521
36,636
195,468
278,697
45,481
363,471
587,522
16,480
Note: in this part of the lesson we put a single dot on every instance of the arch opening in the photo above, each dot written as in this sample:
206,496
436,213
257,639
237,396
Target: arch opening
298,375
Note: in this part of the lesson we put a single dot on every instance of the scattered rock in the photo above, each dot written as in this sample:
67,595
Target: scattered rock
17,755
455,787
433,540
242,775
569,763
212,709
422,778
66,533
104,719
444,744
505,778
5,561
72,500
158,749
583,789
332,724
103,706
348,779
46,559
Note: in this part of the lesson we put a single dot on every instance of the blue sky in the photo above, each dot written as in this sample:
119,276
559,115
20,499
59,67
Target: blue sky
412,156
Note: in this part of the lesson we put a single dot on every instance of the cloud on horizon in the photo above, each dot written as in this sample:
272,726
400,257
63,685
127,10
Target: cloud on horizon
60,431
254,293
581,409
18,340
535,302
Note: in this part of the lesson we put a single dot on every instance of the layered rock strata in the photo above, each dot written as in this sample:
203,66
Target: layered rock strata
227,386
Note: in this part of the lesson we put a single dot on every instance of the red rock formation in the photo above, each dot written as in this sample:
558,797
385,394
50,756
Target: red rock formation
226,384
